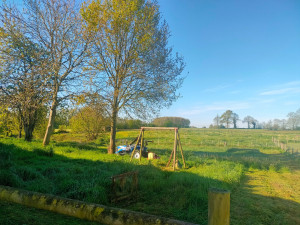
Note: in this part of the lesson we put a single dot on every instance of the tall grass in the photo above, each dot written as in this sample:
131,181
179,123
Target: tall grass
83,170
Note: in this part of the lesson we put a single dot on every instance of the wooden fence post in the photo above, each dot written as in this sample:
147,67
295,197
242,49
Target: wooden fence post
218,207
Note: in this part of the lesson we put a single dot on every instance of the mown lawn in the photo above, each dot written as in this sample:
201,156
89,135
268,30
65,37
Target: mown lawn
263,179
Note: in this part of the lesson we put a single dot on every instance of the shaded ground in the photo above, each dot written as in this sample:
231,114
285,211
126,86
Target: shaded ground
15,214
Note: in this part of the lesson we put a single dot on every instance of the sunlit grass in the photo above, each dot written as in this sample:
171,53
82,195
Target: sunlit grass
73,168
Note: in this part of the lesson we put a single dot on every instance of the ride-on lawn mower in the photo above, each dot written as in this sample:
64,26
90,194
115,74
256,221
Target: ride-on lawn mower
127,149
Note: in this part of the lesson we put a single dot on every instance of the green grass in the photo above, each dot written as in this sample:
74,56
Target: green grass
12,214
215,158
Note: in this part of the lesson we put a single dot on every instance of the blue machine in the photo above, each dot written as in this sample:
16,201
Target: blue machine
127,149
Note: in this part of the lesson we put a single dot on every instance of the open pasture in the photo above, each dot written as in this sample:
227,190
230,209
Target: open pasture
263,178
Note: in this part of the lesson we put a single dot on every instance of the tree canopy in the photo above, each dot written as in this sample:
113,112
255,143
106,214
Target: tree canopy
131,57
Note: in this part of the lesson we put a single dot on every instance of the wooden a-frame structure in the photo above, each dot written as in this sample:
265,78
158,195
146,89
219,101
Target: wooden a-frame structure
177,144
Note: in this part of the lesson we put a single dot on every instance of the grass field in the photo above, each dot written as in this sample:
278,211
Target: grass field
263,179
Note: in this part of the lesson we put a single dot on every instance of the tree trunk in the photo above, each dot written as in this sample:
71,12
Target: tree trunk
28,129
49,129
20,129
113,129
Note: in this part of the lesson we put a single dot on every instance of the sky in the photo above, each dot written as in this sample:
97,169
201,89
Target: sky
240,55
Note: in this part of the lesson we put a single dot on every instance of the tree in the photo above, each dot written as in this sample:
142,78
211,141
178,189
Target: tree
22,72
254,122
249,120
8,121
89,120
217,121
293,119
235,118
277,124
90,117
137,71
226,118
55,26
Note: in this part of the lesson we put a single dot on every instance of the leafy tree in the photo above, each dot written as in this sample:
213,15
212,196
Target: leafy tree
8,121
90,116
235,118
226,118
137,71
254,122
89,120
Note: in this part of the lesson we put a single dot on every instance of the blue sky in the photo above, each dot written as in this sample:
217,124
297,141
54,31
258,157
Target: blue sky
240,55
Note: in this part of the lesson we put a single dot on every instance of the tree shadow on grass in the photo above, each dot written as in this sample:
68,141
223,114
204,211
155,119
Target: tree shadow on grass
180,195
82,146
250,158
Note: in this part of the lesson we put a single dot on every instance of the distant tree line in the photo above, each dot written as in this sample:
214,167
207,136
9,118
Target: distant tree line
229,119
125,123
171,122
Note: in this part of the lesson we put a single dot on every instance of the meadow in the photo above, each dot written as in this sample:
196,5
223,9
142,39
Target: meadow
262,177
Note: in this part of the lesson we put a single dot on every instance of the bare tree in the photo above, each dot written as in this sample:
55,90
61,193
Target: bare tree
217,121
131,57
293,119
248,120
56,26
23,73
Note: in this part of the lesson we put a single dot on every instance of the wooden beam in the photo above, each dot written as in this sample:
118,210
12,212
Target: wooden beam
159,128
170,158
181,150
175,149
137,142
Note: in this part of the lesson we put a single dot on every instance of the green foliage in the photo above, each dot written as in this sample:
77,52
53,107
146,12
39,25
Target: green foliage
89,120
227,118
171,122
41,122
9,122
145,73
130,124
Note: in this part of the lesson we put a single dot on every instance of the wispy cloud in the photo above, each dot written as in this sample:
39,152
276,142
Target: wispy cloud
279,91
286,88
